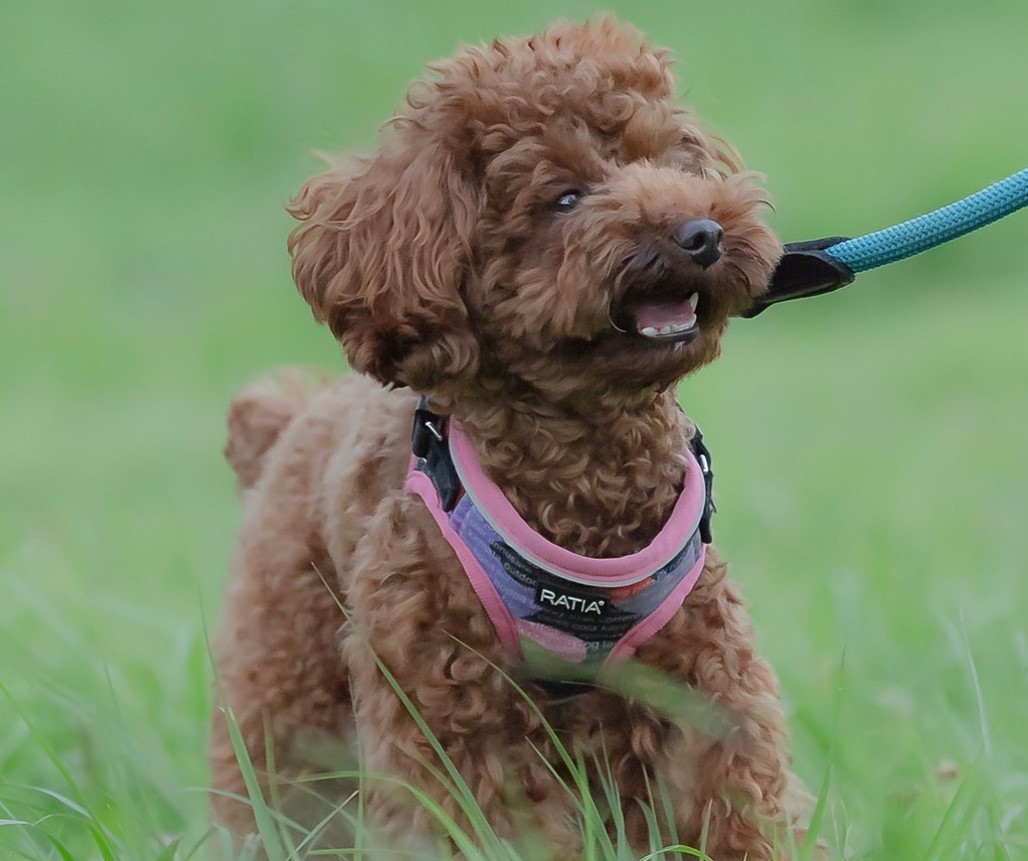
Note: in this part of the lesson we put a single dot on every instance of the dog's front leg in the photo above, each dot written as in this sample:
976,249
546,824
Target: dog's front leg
415,615
726,760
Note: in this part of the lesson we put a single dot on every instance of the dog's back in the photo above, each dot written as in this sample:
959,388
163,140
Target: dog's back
300,447
258,415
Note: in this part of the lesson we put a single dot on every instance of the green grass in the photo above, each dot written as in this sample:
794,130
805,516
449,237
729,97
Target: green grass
870,446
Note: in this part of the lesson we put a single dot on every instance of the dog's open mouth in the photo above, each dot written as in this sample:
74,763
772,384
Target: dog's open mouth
661,316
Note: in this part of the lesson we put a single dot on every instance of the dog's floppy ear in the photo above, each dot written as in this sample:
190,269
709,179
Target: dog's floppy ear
380,254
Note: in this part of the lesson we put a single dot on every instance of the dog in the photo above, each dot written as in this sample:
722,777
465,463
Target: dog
543,245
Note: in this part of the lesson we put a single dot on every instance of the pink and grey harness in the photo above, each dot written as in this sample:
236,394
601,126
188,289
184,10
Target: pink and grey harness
582,611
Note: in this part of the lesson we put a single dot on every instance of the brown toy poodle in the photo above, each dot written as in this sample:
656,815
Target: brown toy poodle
542,246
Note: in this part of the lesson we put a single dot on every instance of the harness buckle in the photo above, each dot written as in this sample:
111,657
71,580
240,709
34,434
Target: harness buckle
703,458
428,443
425,427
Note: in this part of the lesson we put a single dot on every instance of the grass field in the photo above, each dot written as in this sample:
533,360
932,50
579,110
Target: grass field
871,446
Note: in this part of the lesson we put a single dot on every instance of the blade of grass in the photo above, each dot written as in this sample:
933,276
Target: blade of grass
62,850
169,852
272,773
688,851
262,815
209,834
42,741
316,831
100,839
961,807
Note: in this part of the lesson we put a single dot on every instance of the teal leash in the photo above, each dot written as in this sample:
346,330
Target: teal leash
823,265
928,231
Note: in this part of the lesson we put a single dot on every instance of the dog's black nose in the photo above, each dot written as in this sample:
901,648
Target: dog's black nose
702,239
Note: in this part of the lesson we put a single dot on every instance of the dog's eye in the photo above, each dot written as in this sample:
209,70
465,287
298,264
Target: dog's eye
568,200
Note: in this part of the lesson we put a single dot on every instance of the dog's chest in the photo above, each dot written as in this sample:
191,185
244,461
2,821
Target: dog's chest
560,614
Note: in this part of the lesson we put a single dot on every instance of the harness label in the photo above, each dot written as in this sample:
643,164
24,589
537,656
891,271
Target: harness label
547,596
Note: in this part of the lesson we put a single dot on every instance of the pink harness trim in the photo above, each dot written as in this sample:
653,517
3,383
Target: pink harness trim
674,537
421,485
616,571
629,644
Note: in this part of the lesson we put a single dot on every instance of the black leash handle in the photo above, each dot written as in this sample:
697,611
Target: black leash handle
804,270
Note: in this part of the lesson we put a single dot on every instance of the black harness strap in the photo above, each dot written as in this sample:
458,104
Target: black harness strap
428,443
703,458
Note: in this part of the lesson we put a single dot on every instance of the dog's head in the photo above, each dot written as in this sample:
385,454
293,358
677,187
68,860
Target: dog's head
541,212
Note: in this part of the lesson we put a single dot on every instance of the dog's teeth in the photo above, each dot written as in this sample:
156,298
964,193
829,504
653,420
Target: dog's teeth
694,300
666,329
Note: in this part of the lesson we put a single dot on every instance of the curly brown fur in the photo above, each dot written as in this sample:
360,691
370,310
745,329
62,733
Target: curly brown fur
442,266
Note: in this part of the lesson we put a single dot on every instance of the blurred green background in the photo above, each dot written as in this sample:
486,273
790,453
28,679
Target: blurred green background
870,446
